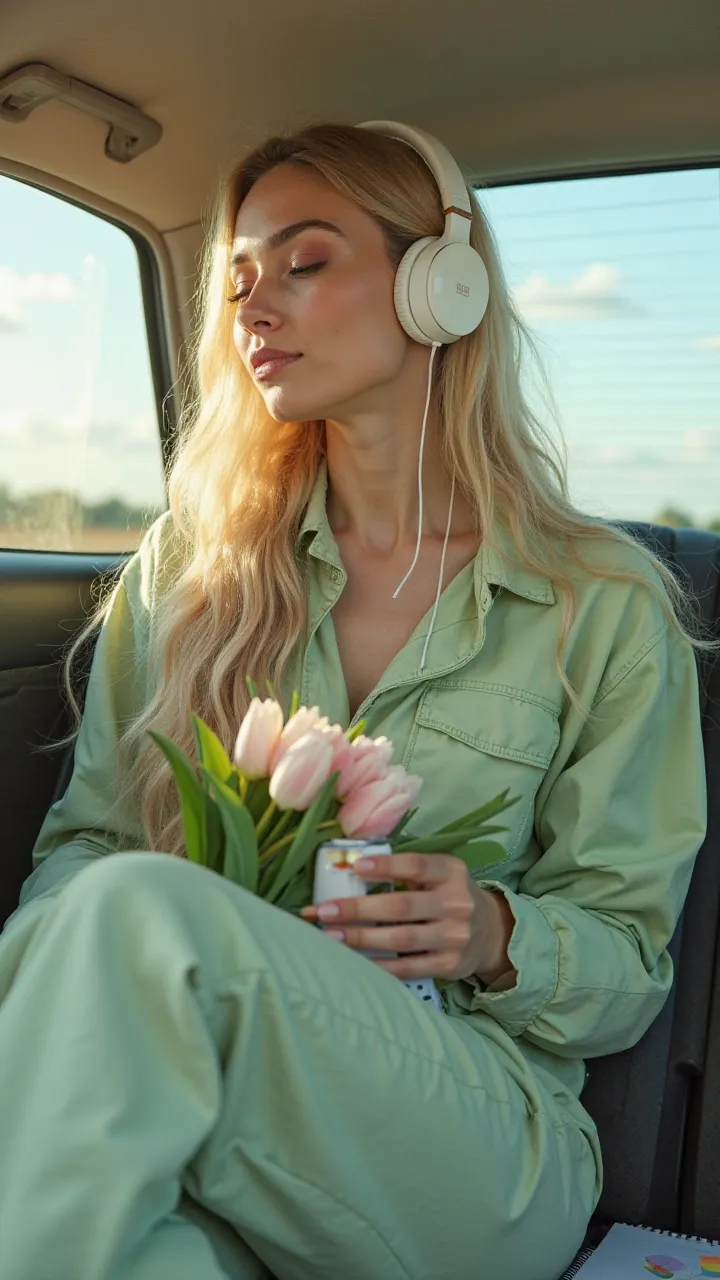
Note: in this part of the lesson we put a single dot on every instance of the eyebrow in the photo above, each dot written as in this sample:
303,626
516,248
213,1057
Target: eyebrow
281,237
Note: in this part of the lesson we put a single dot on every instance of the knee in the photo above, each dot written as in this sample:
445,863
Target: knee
118,876
128,885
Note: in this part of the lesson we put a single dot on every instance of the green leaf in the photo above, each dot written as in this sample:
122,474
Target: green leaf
294,704
211,753
307,839
488,810
395,833
190,793
447,842
299,892
257,798
240,862
480,853
213,832
356,730
252,687
431,844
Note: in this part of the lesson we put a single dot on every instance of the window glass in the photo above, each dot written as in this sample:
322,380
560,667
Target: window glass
80,455
619,280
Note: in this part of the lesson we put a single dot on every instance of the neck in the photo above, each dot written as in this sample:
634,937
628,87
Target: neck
373,481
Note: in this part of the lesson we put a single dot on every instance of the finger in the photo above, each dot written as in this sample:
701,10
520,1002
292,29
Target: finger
419,868
405,937
439,964
382,907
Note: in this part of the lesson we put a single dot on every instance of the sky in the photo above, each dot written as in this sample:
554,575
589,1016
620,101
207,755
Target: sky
618,279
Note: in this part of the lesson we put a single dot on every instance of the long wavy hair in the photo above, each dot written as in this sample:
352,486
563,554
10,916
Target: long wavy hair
240,481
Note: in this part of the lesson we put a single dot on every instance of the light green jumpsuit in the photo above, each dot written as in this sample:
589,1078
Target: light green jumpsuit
195,1084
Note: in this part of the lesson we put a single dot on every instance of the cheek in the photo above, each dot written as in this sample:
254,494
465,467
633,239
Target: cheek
356,317
240,338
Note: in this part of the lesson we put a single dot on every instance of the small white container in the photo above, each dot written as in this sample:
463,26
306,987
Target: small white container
335,878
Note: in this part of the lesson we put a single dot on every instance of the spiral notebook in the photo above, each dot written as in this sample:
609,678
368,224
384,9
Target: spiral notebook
634,1253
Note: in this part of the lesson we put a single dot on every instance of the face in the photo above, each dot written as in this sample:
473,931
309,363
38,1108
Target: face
314,287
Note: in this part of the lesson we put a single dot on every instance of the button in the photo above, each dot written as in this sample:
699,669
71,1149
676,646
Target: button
336,574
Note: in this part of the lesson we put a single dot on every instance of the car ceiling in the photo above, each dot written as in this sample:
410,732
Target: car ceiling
517,88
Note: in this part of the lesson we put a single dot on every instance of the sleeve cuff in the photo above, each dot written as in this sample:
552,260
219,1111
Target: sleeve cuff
519,996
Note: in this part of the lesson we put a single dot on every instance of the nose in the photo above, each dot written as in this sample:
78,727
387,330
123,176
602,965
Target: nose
259,313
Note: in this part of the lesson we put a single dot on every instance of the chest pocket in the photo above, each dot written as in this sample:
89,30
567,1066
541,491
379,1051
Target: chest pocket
471,741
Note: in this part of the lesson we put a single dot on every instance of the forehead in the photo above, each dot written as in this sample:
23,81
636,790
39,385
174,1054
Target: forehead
291,193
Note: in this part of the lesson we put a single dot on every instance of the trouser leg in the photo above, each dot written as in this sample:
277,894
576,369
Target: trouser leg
177,1033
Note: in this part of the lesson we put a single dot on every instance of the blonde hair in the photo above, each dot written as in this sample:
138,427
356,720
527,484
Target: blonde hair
240,481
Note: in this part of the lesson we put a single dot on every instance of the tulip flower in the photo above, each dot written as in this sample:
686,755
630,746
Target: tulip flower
374,809
301,773
367,762
341,748
258,737
305,719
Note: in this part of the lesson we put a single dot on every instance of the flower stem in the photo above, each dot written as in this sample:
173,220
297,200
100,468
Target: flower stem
265,820
278,829
269,853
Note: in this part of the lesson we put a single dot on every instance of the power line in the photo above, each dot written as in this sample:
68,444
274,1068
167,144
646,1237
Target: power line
506,255
627,233
601,208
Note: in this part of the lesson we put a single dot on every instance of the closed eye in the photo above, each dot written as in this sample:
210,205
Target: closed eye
294,271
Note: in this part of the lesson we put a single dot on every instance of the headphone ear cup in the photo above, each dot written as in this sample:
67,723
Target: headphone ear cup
402,291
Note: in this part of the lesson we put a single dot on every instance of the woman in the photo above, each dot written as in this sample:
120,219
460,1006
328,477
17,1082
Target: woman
164,1033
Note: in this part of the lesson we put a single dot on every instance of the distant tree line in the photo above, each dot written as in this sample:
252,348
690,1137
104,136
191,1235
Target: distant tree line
680,519
51,506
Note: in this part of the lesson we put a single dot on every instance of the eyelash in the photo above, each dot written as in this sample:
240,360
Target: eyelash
294,271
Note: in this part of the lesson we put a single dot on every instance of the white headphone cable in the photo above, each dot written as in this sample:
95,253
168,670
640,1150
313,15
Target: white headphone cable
440,579
398,589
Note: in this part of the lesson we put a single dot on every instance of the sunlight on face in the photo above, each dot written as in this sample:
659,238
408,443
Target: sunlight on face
320,294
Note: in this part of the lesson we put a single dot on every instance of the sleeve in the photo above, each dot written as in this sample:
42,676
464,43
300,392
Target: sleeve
92,818
619,831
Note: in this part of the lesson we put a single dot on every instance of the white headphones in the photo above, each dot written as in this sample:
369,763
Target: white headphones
441,287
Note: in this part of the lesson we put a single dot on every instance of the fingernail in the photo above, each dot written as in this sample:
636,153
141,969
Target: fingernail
365,864
328,911
335,933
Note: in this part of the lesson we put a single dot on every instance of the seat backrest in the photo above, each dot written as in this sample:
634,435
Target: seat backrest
701,1198
641,1099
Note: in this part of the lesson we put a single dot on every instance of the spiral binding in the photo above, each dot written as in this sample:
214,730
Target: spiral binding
579,1262
585,1254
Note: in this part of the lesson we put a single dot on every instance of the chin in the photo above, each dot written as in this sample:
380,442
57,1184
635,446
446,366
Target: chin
286,408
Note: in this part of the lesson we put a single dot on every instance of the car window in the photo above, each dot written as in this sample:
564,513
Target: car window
80,453
619,280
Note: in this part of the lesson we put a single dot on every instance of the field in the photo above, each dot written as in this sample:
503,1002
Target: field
100,539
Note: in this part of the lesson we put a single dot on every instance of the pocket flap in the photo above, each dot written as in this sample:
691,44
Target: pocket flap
497,719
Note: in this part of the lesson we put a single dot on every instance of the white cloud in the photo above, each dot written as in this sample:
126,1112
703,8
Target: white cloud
711,343
12,423
16,289
615,454
594,294
700,444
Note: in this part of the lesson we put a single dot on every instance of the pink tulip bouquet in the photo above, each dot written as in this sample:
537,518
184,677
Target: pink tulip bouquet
260,817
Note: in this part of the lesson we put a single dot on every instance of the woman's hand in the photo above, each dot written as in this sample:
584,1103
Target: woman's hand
450,926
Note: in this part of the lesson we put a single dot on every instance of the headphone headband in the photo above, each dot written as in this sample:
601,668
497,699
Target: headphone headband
442,164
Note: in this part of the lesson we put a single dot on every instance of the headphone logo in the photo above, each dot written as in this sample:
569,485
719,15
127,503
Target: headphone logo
464,289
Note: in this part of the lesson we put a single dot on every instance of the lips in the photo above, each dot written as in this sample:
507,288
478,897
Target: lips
267,363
